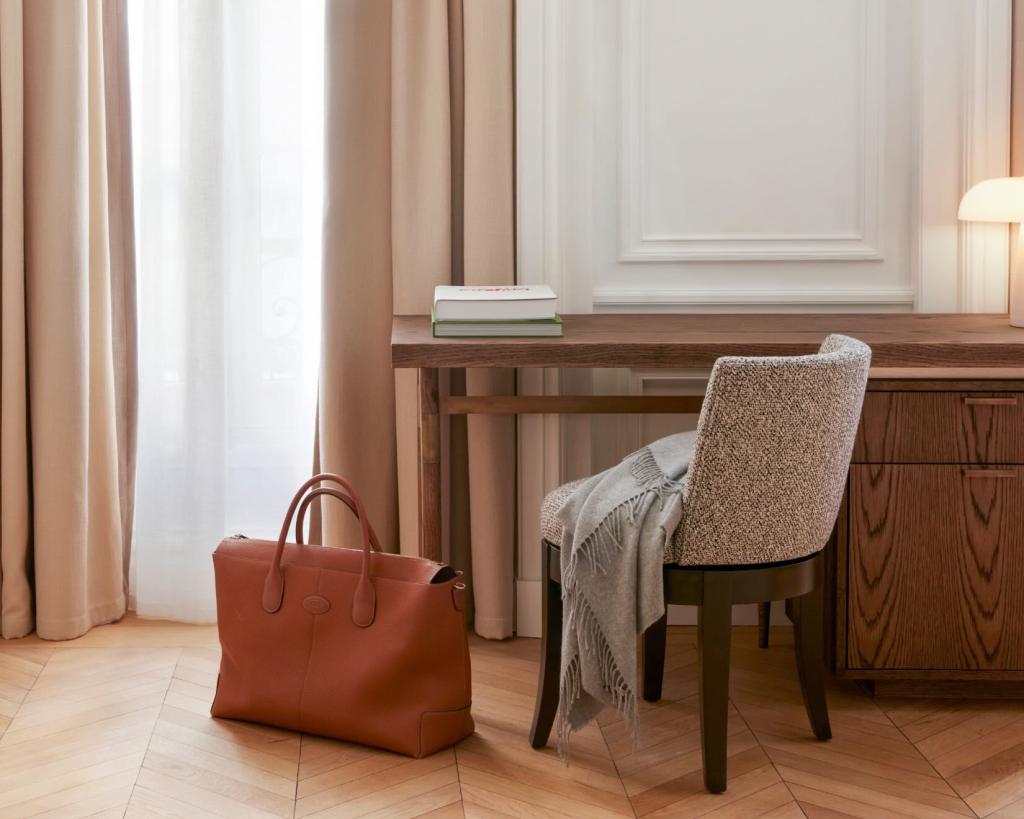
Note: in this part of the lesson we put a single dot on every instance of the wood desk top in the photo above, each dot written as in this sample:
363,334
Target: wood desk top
897,340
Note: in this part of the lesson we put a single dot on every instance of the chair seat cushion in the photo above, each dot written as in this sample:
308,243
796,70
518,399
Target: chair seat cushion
551,529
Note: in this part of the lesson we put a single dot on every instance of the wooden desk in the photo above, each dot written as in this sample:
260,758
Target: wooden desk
897,341
947,355
694,341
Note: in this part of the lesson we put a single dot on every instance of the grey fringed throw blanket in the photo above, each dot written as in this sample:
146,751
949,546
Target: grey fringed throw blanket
615,527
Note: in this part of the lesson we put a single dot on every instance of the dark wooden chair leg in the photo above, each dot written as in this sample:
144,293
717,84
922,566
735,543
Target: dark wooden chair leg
714,635
764,622
808,637
546,705
654,657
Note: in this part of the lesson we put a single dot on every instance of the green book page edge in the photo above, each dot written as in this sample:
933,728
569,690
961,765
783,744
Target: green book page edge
557,322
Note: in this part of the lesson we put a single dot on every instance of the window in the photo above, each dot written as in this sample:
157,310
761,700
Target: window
227,110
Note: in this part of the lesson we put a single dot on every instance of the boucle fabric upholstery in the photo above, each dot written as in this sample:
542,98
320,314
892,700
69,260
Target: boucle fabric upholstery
773,447
774,442
550,528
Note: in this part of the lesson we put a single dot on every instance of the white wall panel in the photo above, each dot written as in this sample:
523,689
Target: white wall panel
738,146
744,156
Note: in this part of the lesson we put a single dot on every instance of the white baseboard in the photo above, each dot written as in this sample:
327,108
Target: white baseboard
528,608
528,612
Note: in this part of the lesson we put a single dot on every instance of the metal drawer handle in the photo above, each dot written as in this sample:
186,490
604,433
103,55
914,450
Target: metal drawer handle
990,473
990,402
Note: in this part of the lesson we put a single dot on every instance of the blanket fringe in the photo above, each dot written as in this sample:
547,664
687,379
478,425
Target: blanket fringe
648,475
615,685
601,544
595,552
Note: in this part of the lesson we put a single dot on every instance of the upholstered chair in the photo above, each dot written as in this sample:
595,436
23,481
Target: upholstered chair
767,472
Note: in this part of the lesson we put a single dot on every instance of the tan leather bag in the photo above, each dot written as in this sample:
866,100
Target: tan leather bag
353,644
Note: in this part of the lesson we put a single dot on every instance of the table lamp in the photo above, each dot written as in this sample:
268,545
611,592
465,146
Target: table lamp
1002,200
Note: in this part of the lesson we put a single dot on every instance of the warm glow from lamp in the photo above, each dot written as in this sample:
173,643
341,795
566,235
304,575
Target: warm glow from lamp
1001,200
994,200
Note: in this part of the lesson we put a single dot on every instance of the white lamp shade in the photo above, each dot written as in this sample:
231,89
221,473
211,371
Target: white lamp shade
994,200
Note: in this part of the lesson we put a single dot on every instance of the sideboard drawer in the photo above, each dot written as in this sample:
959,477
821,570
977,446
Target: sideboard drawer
935,568
941,427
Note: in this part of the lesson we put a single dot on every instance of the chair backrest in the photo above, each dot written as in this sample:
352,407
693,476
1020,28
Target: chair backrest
773,449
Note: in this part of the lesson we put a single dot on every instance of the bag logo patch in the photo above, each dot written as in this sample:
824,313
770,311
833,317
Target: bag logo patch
316,604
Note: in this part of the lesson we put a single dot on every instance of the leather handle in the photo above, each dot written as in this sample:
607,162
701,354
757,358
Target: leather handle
990,473
300,518
364,601
459,593
990,401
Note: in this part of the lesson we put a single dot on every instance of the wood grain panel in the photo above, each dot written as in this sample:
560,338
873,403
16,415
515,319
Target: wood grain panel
941,427
646,340
935,568
946,379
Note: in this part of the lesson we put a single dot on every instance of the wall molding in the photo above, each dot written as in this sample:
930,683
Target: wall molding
963,132
607,298
540,69
985,248
541,55
679,382
637,244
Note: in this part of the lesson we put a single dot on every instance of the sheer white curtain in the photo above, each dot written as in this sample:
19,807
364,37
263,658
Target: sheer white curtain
227,107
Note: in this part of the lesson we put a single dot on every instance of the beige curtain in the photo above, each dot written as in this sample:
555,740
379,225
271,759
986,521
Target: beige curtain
67,306
419,192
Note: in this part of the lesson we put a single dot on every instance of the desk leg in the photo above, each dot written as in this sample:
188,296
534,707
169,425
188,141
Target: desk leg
429,464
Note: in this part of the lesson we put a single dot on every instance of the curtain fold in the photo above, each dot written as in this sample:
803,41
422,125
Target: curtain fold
67,358
123,316
488,242
419,175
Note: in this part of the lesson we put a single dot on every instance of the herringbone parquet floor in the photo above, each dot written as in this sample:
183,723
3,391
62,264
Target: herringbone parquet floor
116,724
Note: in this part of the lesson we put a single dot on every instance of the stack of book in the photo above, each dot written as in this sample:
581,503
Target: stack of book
499,311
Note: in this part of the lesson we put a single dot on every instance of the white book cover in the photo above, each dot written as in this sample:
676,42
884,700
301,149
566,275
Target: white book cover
513,302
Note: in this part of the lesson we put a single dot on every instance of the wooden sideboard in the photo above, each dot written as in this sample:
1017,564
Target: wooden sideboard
930,541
